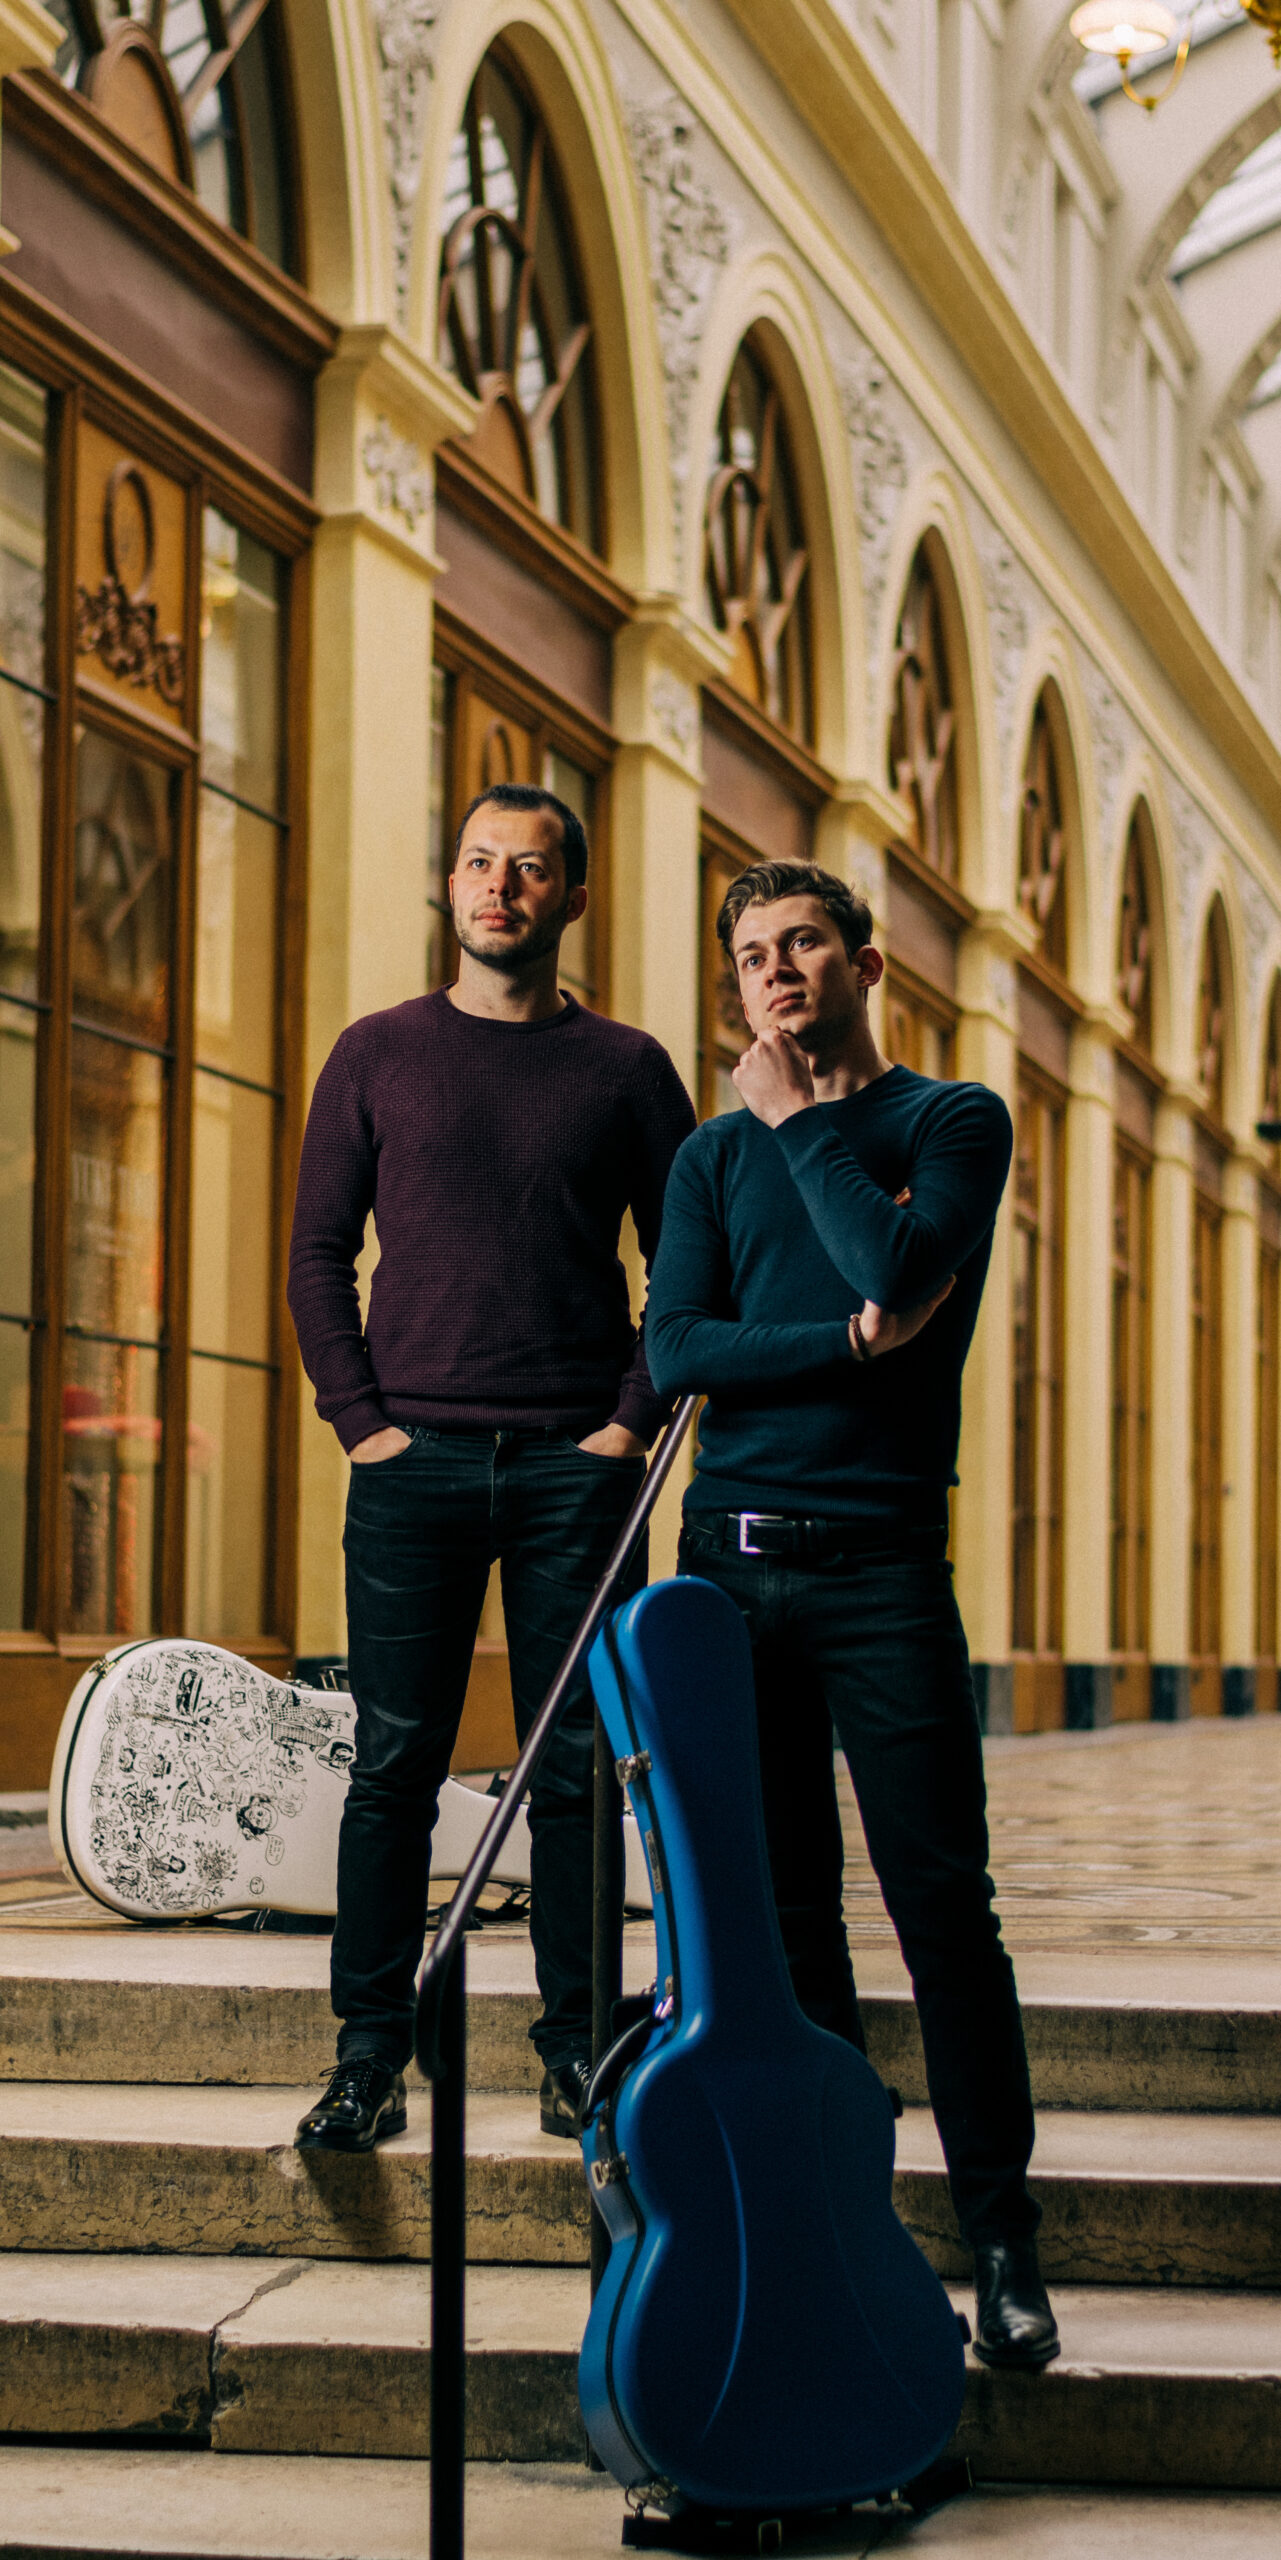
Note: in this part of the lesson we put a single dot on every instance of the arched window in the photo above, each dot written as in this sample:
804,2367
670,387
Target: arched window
513,317
1134,933
1043,839
1210,1016
201,89
756,549
922,756
1272,1065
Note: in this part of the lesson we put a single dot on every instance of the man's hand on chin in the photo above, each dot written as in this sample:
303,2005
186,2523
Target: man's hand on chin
613,1442
774,1078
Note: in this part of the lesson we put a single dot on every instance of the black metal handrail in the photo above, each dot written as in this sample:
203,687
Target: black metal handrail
441,2038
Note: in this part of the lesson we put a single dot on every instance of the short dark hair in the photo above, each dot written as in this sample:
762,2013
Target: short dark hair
530,795
763,883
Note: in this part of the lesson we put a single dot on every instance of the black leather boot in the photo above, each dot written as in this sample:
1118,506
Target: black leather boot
560,2100
363,2104
1014,2325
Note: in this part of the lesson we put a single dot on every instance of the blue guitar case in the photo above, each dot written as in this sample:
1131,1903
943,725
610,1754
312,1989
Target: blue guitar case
766,2335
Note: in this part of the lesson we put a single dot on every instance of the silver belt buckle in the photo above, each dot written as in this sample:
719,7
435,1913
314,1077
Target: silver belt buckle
750,1520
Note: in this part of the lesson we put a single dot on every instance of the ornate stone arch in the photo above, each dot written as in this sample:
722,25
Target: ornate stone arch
557,54
765,300
342,157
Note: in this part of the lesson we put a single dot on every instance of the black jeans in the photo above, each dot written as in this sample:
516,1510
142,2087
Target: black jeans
873,1644
422,1530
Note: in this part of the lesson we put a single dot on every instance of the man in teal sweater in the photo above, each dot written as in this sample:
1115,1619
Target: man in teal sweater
822,1260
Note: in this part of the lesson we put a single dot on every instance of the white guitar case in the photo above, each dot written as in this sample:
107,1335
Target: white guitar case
186,1783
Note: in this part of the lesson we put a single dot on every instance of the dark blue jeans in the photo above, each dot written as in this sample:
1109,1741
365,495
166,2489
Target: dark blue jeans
423,1529
873,1644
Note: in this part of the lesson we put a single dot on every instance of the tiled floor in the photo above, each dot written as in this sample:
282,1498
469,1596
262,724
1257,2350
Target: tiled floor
1149,1837
1144,1836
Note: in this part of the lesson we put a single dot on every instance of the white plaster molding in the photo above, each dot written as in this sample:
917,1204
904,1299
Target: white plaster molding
689,238
1194,842
406,35
1111,732
402,482
875,416
1259,919
674,710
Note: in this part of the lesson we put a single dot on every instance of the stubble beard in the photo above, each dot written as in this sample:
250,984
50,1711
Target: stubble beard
516,958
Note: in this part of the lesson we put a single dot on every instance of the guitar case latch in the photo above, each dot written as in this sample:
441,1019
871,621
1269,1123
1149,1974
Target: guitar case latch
608,2172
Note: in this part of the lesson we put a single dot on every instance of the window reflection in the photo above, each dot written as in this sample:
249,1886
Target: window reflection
122,917
111,1441
240,645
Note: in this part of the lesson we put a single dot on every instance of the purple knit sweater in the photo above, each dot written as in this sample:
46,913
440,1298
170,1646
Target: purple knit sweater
498,1160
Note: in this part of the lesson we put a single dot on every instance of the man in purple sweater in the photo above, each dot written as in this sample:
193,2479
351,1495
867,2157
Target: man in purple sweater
496,1405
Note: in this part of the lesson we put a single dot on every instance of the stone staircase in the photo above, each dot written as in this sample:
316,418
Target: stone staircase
173,2272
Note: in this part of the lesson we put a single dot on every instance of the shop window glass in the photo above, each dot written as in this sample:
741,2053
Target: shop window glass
756,554
514,325
1131,1396
163,1085
22,718
1207,1424
1038,1370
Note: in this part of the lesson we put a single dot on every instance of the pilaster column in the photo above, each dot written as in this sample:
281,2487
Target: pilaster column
987,1053
1239,1534
853,829
381,411
1087,1370
661,660
1171,1505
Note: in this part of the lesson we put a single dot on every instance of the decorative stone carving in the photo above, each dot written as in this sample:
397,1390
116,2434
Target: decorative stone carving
402,483
881,466
689,236
1194,839
405,32
674,708
1109,730
1011,599
1002,985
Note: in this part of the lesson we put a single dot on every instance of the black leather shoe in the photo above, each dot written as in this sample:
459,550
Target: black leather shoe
363,2104
560,2100
1014,2325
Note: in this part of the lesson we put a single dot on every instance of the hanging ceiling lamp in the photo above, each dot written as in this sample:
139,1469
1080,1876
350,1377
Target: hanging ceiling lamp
1128,30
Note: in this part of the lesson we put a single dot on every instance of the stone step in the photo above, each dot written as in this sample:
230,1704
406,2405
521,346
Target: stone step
220,2006
1160,2200
1153,2388
124,2504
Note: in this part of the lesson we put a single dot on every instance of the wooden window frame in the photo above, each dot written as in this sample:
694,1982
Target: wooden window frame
1267,1568
556,725
1039,1668
1205,1528
1131,1450
81,381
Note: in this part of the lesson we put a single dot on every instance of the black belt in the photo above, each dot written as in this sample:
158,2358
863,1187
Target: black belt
780,1533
